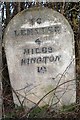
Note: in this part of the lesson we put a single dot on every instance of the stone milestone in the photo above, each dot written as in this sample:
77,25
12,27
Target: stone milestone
40,52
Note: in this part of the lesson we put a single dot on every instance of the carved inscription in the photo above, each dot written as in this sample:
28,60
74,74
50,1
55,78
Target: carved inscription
38,31
38,20
41,69
38,60
41,59
46,51
38,50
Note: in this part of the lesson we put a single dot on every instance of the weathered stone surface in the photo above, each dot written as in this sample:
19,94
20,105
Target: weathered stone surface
39,45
